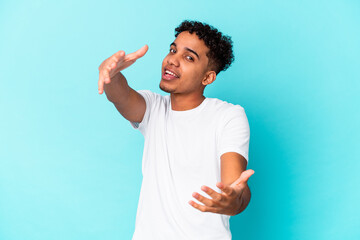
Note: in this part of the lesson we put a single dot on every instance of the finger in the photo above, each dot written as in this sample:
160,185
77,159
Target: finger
208,202
108,70
104,78
118,55
203,208
138,54
114,60
226,189
106,74
112,65
100,85
215,195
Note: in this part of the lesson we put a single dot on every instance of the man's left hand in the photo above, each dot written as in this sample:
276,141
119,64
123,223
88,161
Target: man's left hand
228,202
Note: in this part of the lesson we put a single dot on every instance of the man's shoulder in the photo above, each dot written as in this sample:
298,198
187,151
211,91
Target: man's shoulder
224,107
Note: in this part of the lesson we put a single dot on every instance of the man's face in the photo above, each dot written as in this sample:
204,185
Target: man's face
184,68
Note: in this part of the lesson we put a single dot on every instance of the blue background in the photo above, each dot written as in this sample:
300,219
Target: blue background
70,165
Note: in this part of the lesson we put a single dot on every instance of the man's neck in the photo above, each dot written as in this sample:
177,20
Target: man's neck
180,102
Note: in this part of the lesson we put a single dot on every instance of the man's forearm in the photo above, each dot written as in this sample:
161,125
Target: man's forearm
117,91
130,104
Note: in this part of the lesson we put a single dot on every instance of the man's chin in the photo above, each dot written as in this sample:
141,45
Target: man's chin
165,89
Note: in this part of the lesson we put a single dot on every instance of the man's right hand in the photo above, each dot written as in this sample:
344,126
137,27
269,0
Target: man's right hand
116,63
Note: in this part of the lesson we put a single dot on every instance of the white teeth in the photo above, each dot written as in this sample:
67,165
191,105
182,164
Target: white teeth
171,73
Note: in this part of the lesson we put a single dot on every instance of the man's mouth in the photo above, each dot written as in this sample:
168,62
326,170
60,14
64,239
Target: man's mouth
169,75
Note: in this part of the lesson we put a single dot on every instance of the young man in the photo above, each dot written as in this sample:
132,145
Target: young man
190,141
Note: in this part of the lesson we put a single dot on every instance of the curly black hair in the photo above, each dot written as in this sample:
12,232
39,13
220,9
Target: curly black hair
220,46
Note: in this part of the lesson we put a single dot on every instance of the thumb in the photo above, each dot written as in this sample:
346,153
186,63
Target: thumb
244,177
141,52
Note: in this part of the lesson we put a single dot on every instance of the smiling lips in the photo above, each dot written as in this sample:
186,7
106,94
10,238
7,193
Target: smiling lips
169,75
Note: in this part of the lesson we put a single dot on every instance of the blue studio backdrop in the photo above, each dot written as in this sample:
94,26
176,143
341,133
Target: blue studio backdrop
70,165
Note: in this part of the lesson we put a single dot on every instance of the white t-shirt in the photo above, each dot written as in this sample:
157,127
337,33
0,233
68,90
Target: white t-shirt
182,152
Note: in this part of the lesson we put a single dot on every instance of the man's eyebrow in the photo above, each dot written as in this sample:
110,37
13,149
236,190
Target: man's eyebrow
190,50
187,49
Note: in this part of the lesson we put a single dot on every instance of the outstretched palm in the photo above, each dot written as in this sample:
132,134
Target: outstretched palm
116,63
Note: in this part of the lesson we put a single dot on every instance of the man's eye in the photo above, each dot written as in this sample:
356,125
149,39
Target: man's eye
172,50
189,58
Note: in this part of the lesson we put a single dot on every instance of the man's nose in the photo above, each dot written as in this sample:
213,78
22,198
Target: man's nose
173,60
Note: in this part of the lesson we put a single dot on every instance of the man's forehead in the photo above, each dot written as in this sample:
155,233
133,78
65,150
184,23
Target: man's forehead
192,41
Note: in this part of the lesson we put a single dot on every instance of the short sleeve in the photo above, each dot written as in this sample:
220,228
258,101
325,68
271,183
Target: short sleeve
235,133
149,98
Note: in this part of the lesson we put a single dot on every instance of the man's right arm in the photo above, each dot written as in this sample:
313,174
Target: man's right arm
127,101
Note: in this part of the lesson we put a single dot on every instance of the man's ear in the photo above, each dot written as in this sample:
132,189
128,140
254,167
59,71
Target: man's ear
210,77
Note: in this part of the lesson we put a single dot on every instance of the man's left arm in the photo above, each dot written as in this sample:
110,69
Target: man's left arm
235,195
